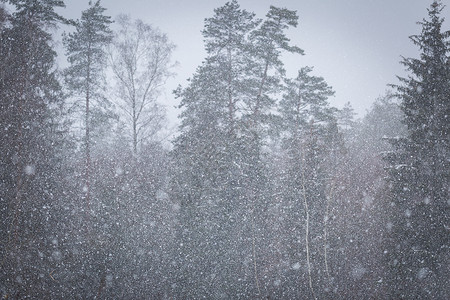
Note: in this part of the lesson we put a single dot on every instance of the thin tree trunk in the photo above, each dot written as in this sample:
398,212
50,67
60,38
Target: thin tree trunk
230,95
305,203
88,139
325,228
134,130
255,264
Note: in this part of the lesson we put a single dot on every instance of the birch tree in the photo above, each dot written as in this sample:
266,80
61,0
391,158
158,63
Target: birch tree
140,58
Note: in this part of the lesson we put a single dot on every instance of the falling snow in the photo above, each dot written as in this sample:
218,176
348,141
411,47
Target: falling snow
267,189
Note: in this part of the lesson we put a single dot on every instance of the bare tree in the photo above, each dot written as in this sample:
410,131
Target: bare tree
140,58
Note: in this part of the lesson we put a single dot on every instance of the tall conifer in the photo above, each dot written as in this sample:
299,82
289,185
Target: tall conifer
420,169
30,101
86,54
220,180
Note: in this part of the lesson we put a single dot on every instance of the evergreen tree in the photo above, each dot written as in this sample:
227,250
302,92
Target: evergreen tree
358,217
30,101
310,135
208,184
86,54
420,169
346,116
220,179
85,50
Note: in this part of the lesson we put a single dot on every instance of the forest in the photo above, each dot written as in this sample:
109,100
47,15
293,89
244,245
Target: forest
265,191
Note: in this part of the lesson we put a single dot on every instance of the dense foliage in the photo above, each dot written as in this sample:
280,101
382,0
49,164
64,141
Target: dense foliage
419,171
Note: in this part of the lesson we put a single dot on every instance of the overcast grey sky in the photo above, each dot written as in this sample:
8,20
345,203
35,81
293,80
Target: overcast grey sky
354,44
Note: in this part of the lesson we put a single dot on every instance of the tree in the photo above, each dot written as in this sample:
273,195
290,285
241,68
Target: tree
125,196
310,136
140,58
220,181
30,99
84,78
419,168
86,54
268,42
208,181
358,217
346,116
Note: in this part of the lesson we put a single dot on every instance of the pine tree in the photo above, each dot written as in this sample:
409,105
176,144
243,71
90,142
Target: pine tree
220,180
346,116
208,184
86,54
84,78
420,169
310,135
